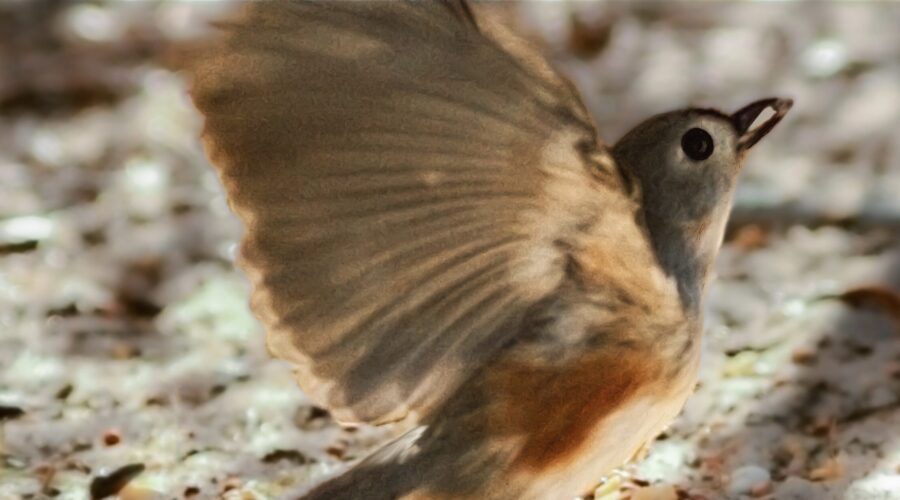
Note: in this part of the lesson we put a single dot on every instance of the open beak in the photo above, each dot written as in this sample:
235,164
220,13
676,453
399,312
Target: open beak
744,118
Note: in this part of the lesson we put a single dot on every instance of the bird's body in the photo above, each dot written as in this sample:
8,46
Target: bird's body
436,233
528,430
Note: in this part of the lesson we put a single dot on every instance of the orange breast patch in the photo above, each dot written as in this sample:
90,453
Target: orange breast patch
557,408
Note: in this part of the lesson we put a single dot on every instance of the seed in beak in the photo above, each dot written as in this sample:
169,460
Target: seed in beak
746,116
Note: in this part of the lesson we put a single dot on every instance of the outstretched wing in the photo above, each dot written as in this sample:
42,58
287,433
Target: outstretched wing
408,190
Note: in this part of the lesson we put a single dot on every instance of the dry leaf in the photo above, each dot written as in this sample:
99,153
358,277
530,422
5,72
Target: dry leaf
831,469
750,237
803,356
874,297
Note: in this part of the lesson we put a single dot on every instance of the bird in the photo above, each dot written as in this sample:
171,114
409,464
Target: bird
434,233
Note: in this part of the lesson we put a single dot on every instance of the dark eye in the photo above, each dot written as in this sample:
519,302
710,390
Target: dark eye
697,144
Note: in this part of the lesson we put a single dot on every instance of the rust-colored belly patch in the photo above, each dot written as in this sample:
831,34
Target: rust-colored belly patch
558,408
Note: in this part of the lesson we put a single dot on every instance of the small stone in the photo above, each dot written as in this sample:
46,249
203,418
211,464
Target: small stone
822,425
134,492
10,412
795,488
26,228
111,437
750,237
609,490
337,451
761,489
746,478
311,418
742,364
832,468
278,455
824,58
655,492
232,483
122,351
803,356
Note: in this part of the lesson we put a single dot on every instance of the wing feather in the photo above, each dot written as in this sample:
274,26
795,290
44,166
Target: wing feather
407,187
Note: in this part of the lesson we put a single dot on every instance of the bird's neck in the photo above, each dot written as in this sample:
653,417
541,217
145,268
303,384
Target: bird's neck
687,249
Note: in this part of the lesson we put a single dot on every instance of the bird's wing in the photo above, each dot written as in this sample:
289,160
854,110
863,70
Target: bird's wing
408,190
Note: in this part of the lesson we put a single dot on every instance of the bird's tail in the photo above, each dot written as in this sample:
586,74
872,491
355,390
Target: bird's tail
388,473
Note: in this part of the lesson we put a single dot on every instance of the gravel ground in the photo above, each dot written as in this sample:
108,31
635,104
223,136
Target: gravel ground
128,355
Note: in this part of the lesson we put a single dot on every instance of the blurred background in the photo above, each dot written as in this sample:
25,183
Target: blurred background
129,361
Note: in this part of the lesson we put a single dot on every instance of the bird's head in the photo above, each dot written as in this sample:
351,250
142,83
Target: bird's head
686,163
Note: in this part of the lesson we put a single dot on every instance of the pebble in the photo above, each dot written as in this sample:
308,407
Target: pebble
796,488
803,356
655,492
745,479
761,489
824,58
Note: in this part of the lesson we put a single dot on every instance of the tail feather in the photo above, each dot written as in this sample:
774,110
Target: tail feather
388,473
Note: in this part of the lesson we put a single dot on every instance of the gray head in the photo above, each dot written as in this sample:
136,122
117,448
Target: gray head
686,163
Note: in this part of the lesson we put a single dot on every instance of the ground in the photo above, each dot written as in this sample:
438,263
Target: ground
125,338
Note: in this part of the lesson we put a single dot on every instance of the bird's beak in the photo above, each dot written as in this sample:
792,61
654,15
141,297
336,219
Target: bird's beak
744,118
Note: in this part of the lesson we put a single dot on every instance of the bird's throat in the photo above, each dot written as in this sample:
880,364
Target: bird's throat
687,249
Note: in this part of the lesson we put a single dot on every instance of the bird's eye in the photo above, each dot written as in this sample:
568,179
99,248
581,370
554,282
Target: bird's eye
697,144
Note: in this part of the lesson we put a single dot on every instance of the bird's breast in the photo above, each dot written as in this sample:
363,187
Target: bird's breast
578,422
